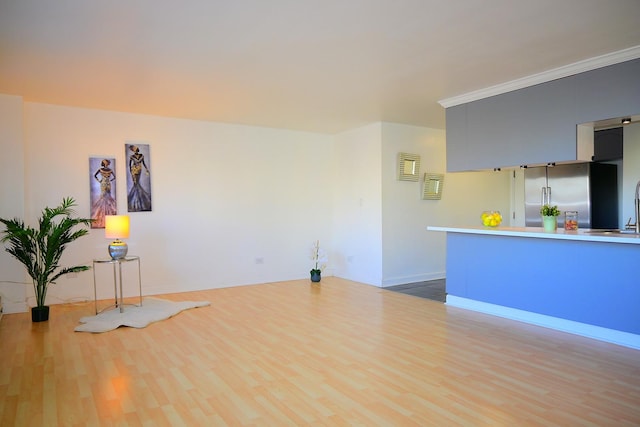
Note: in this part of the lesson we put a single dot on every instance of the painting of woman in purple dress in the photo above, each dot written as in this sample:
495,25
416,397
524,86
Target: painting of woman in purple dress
138,178
102,184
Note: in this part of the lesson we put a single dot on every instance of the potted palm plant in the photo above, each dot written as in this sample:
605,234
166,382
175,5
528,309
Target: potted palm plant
39,249
549,217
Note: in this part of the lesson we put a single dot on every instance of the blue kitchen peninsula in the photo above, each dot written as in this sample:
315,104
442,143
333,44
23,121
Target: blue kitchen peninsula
583,282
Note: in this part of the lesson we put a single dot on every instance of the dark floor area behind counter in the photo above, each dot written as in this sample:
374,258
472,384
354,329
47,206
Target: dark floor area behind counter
432,289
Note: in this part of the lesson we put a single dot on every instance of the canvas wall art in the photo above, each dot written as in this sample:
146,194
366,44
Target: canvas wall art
102,189
138,177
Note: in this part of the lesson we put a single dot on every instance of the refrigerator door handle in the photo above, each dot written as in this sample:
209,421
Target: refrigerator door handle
548,195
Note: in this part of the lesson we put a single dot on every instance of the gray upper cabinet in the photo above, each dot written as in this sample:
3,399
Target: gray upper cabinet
608,92
456,118
537,125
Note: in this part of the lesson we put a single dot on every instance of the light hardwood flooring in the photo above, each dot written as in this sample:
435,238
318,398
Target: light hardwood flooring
294,353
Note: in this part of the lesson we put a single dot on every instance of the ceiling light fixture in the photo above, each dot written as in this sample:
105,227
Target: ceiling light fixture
626,120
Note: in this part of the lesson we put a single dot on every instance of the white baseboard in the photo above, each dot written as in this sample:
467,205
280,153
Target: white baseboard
16,307
596,332
402,280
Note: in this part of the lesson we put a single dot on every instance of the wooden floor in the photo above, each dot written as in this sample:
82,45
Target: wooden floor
295,353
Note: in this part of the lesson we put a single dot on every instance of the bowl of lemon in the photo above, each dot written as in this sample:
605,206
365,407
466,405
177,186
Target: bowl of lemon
491,218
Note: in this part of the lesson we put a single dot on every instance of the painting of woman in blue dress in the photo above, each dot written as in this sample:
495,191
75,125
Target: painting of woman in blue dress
138,178
103,183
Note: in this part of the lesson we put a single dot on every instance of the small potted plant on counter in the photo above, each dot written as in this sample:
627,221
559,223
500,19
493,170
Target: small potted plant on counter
549,217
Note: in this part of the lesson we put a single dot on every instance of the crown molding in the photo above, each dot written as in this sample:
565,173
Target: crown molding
546,76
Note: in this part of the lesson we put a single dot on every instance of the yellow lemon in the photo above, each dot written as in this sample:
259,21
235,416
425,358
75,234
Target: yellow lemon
491,218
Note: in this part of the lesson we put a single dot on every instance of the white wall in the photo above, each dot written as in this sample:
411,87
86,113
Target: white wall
410,252
223,196
226,195
631,170
357,204
11,199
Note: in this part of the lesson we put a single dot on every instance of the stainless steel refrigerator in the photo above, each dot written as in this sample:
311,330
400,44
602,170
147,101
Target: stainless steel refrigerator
591,189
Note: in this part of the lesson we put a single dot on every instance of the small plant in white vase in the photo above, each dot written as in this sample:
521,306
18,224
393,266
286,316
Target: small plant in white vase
318,257
548,210
549,217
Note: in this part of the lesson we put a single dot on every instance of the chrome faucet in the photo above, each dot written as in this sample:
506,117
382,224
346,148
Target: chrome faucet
637,206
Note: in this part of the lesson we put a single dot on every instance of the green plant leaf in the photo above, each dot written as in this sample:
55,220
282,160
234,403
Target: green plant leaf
40,250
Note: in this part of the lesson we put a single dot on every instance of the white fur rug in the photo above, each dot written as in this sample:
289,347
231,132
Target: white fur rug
152,310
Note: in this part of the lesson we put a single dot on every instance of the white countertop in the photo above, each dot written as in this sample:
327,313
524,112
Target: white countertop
586,235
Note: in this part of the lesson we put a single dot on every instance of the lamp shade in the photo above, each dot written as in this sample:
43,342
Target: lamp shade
116,226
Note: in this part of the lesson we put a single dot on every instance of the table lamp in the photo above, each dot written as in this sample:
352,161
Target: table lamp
117,227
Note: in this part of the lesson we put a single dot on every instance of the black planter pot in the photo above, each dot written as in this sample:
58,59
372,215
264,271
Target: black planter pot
315,277
40,314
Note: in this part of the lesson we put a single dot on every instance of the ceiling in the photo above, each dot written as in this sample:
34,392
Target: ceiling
312,65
